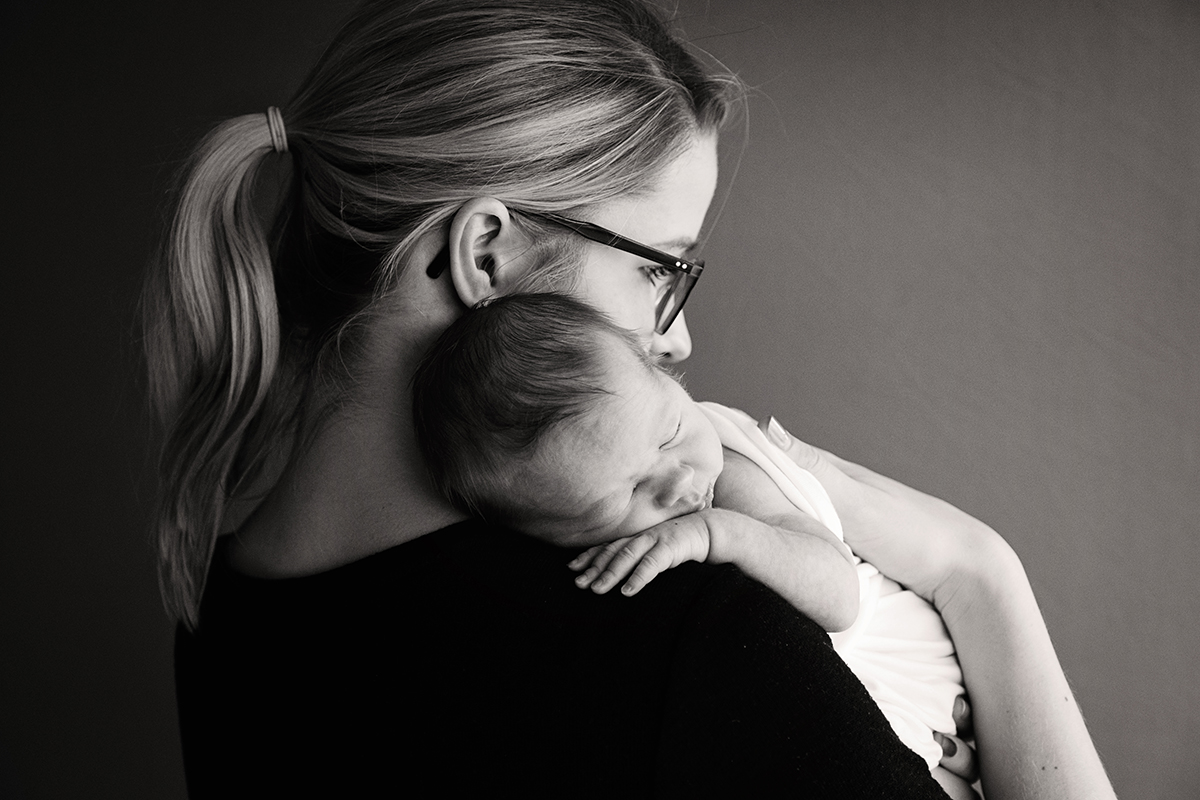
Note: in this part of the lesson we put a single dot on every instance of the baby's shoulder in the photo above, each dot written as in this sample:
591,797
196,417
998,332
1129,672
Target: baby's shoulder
743,486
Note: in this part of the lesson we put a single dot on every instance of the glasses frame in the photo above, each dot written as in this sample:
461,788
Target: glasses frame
686,272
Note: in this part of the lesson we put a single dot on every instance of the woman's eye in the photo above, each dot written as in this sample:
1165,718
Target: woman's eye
657,273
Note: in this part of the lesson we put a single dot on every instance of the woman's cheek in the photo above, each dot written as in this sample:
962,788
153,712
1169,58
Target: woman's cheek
620,291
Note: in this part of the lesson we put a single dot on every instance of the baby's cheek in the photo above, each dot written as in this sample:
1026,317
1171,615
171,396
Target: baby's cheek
603,524
638,517
631,524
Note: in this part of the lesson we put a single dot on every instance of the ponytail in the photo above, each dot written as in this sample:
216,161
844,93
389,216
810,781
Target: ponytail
213,349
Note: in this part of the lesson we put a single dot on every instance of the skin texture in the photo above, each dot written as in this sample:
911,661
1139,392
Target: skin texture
640,456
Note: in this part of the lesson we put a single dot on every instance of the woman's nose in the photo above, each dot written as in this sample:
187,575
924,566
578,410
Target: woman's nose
674,345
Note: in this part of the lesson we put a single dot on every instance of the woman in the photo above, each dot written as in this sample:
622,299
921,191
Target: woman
355,633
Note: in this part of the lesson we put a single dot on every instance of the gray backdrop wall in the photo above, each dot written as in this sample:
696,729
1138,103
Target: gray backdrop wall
963,247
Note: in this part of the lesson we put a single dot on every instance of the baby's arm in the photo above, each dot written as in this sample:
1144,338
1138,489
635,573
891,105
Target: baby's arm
755,527
787,550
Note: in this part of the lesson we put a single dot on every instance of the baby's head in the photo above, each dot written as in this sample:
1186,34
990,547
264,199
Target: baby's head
536,411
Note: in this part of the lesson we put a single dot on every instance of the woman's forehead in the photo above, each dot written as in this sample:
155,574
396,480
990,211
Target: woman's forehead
669,216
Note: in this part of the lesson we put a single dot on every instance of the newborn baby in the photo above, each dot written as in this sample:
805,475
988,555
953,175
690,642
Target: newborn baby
537,412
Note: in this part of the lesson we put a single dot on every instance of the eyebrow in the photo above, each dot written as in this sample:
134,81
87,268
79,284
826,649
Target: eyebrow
684,243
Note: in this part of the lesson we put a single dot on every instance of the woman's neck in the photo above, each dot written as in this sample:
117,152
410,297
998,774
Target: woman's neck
357,489
358,485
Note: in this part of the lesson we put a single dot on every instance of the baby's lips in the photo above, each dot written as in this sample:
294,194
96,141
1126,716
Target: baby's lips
701,501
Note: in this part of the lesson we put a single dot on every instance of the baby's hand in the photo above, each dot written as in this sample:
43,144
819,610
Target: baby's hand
652,551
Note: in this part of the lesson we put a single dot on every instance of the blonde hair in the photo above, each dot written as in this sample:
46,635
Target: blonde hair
415,107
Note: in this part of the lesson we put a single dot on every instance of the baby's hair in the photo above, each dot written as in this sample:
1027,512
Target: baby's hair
502,376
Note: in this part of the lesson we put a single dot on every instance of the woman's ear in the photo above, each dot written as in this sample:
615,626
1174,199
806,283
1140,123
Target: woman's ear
485,250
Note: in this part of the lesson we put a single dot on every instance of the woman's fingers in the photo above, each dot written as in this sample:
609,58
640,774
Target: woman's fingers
834,473
912,537
964,722
958,756
805,455
955,787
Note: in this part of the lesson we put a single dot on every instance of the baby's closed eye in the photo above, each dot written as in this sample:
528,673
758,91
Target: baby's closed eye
674,436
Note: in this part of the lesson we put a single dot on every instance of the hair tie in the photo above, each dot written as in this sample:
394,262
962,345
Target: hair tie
278,132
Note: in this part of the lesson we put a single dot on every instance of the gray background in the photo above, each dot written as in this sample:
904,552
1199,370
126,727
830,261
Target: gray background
963,247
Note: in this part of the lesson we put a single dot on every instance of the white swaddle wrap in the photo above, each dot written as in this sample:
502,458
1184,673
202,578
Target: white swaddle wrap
898,646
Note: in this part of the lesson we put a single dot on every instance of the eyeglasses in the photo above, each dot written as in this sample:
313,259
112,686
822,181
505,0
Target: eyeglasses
673,287
673,292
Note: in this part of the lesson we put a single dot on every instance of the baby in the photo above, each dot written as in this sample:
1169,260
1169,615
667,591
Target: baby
538,413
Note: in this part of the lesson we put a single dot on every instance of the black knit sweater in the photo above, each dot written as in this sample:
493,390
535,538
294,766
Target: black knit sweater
467,661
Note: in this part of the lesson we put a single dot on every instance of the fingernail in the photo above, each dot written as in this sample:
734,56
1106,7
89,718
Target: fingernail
949,748
960,706
778,435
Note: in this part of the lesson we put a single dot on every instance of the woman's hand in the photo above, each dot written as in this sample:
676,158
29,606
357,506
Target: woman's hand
958,756
924,543
1035,743
652,551
886,522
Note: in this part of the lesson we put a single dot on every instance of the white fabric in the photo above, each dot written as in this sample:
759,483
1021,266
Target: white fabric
898,646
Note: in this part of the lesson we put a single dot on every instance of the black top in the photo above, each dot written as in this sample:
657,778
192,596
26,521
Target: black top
467,661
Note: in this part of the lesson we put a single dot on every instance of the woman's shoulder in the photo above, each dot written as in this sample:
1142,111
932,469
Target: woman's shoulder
466,595
471,587
468,570
475,638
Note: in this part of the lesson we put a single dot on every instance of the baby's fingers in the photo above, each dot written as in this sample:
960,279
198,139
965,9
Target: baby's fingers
585,558
625,559
596,558
658,559
586,561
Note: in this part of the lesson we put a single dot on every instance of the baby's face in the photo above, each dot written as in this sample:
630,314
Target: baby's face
638,457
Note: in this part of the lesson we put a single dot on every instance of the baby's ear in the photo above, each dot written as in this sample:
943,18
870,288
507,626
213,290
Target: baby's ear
486,250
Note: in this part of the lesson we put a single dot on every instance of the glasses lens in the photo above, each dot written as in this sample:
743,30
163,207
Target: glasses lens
672,301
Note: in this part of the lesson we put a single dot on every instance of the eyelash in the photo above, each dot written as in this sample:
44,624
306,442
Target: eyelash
656,273
674,436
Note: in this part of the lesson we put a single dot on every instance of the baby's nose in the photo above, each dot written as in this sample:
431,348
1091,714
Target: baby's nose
677,486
